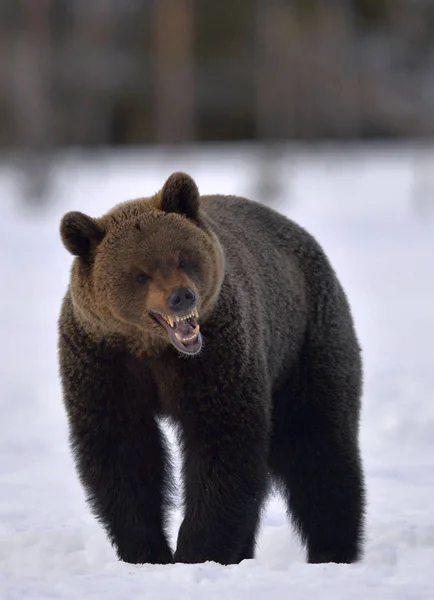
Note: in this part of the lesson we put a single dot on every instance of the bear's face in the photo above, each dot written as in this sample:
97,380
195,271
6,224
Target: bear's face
150,269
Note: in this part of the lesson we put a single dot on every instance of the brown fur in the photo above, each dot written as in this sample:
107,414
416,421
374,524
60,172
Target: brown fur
275,391
110,302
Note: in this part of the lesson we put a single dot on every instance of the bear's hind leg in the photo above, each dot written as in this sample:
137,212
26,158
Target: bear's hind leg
314,454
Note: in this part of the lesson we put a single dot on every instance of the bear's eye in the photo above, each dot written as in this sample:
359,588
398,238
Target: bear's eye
142,278
182,264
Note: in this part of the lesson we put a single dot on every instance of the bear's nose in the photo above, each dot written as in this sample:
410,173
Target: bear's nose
181,299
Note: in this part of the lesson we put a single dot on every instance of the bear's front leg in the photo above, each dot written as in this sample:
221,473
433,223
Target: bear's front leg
225,443
123,468
120,452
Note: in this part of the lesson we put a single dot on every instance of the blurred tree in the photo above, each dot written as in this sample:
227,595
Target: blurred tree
31,77
104,71
172,57
225,85
370,13
276,73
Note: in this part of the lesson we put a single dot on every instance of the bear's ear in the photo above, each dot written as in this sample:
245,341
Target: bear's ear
80,234
180,195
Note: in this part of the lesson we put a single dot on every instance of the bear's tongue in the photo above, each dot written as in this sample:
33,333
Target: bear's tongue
184,332
184,328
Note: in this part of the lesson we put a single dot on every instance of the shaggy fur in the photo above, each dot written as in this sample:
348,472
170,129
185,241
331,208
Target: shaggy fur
274,394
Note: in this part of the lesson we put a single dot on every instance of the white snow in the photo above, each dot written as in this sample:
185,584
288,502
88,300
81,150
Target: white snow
363,206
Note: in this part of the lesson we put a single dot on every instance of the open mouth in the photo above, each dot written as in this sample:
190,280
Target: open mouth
183,330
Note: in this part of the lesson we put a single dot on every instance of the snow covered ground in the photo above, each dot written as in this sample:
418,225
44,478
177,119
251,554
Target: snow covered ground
373,217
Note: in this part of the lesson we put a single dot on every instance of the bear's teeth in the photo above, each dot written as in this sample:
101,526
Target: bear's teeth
181,338
169,318
193,313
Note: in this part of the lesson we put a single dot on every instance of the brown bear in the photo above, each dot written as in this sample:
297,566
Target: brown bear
226,318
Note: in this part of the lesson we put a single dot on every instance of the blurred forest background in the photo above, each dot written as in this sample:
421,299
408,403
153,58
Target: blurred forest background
103,72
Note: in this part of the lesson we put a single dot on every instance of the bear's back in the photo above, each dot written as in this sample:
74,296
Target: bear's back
276,266
244,218
251,231
266,269
257,226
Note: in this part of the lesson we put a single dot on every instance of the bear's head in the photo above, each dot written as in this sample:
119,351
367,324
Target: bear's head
149,270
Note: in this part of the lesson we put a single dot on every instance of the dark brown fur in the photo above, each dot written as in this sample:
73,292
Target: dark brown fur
274,392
